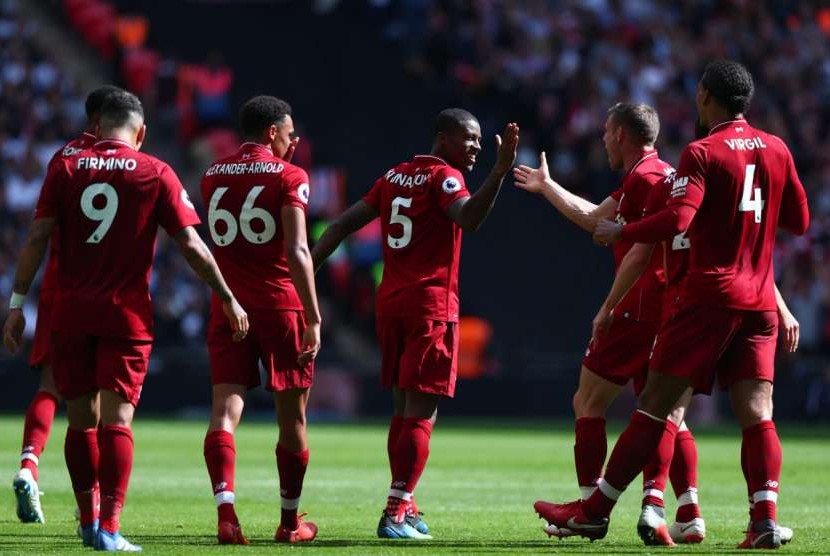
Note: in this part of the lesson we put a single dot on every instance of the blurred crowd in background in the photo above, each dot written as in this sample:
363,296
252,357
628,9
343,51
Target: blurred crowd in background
554,66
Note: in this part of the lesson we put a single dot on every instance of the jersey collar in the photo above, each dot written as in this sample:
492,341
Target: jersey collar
438,158
250,146
650,154
725,124
116,141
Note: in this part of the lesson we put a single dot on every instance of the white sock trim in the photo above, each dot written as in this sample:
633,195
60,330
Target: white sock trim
765,496
650,416
608,490
224,497
688,497
586,491
402,494
290,503
29,456
653,492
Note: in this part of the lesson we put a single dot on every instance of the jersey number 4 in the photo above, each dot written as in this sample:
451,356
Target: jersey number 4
248,214
751,200
403,220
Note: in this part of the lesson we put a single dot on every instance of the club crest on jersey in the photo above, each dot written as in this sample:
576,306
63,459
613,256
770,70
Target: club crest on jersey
303,192
451,185
186,200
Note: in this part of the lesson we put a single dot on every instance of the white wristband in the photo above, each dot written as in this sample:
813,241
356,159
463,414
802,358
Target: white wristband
17,300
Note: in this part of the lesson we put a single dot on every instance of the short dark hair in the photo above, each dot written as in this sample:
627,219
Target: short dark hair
450,119
118,107
638,119
730,83
95,99
261,112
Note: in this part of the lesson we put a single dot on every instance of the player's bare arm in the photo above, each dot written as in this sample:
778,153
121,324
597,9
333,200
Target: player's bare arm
201,260
31,255
302,274
631,268
471,212
787,323
581,212
353,219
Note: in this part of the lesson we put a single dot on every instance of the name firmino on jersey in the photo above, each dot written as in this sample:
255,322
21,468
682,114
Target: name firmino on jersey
101,163
745,144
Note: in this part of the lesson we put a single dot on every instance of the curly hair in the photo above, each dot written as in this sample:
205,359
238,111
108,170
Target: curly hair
730,83
261,112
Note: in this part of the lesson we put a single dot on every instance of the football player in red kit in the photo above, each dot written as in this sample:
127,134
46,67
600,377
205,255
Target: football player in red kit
424,206
619,352
107,203
257,205
41,412
732,190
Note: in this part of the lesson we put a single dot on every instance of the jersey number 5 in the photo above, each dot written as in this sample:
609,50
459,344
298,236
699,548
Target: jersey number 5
404,221
248,214
105,214
751,200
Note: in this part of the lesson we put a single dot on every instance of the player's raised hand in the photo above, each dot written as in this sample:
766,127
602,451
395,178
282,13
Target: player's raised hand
602,322
237,317
311,344
13,330
292,146
506,148
790,327
607,232
530,179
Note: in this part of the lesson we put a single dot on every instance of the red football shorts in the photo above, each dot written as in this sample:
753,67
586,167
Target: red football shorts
418,354
702,342
41,348
621,354
275,339
83,364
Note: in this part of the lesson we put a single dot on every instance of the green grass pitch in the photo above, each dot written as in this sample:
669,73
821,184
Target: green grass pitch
477,492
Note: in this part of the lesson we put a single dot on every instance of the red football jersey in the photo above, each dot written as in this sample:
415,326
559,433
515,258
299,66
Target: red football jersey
50,275
108,202
738,179
644,299
244,194
675,252
421,245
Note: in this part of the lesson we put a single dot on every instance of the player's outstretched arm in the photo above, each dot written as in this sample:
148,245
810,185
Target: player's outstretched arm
471,212
201,260
581,212
354,218
631,268
788,323
34,248
302,274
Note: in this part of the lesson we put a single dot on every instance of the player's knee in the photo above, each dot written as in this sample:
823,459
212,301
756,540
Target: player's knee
587,404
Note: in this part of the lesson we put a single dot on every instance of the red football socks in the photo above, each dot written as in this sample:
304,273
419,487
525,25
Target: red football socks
395,425
634,448
81,452
116,464
590,450
683,476
656,470
36,429
291,467
763,449
411,453
220,457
